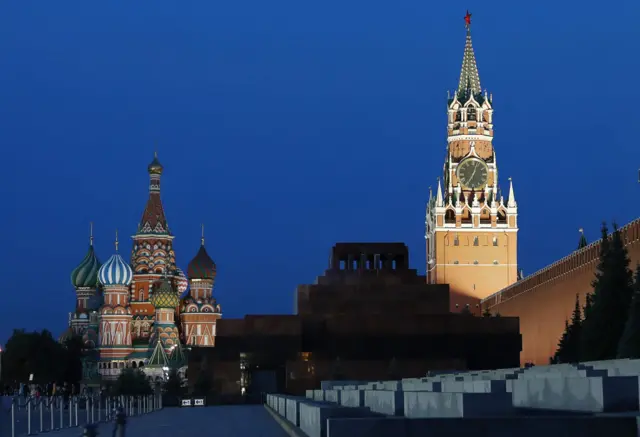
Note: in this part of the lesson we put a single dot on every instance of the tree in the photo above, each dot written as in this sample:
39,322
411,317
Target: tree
629,345
73,351
486,312
561,352
588,303
612,294
37,354
132,382
173,384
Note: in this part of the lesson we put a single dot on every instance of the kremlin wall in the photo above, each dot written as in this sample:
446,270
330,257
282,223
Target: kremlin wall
545,299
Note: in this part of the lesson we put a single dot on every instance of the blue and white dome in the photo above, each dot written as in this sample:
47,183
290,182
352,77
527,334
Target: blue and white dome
115,272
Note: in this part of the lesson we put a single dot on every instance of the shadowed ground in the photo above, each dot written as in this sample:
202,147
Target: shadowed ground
236,420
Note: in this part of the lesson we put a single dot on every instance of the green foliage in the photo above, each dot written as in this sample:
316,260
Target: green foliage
486,312
132,382
629,345
173,384
612,294
569,346
38,353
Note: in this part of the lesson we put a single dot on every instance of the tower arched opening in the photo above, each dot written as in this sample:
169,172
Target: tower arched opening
502,217
450,216
485,217
466,218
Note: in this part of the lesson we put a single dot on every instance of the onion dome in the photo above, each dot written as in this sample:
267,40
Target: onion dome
86,274
155,167
115,272
202,266
164,296
181,281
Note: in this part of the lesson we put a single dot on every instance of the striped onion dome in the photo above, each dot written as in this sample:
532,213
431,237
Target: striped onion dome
202,266
115,272
164,296
181,281
86,274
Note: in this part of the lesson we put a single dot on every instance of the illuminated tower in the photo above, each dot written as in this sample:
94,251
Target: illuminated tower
152,256
471,230
85,280
115,315
200,311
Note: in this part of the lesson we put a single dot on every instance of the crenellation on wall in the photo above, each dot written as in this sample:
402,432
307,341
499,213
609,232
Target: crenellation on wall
576,260
545,299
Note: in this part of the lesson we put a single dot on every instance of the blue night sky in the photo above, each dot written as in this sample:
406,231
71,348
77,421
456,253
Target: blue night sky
286,127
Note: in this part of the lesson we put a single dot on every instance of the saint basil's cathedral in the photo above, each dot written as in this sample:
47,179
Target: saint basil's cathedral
146,313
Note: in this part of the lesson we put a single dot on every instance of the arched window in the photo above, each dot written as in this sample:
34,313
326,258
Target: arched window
450,216
471,113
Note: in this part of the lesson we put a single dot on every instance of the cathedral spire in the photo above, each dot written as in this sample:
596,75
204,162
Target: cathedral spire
511,203
153,219
439,201
469,76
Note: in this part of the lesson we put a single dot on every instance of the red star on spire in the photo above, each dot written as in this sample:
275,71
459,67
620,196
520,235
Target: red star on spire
467,19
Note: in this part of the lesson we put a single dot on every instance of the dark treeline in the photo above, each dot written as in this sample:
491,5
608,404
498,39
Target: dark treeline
37,358
608,326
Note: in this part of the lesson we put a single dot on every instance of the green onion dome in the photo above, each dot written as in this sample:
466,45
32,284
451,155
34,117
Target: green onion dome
165,296
86,274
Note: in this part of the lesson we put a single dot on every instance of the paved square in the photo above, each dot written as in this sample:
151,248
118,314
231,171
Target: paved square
234,420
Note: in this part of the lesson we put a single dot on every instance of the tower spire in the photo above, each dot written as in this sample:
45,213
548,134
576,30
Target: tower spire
153,219
583,240
439,201
469,76
511,203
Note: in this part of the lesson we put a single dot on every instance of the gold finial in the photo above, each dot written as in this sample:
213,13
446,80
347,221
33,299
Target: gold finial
90,233
509,179
116,240
155,153
202,237
581,230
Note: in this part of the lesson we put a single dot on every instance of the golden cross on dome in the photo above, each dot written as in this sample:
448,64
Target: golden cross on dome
90,233
116,240
202,237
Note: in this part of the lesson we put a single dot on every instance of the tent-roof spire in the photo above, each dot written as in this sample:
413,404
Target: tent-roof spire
469,76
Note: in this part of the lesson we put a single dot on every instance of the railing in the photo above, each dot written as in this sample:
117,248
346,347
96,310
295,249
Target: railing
57,412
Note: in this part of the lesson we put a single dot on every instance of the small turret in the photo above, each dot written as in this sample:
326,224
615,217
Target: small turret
511,203
583,240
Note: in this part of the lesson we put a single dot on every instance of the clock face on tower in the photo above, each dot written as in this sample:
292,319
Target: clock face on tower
473,173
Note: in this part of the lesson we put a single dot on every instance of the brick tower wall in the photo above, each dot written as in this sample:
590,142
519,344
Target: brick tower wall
545,299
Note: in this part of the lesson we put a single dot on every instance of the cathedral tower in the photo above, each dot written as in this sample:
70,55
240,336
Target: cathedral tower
85,280
200,312
471,230
115,275
152,256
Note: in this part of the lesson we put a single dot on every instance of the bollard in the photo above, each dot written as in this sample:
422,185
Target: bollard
121,421
29,416
93,418
99,408
61,406
75,402
41,416
90,431
52,406
13,418
86,401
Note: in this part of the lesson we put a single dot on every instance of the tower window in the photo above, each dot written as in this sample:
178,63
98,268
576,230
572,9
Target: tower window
502,217
495,241
471,113
456,240
450,216
476,241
